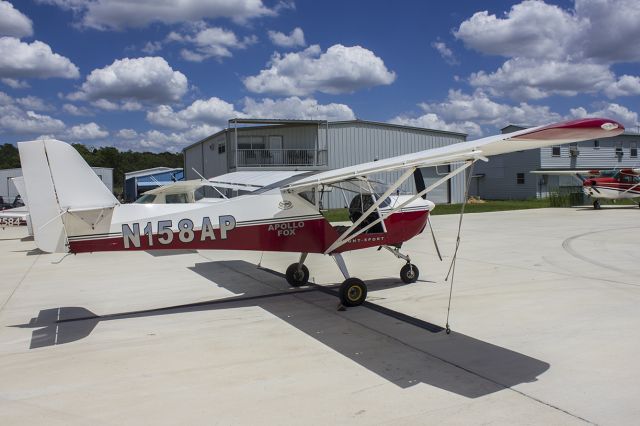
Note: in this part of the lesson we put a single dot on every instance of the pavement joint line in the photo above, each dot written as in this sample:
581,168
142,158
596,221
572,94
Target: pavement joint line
19,283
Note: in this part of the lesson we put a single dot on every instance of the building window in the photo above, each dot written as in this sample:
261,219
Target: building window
619,150
251,142
596,144
221,148
555,151
520,178
633,151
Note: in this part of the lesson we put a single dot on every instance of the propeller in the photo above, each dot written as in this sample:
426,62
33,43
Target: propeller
420,186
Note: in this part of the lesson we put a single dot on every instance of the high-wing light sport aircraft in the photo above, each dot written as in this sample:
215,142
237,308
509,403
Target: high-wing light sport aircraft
72,211
605,184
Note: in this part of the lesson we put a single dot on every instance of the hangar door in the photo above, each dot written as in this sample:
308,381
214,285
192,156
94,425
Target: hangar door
439,195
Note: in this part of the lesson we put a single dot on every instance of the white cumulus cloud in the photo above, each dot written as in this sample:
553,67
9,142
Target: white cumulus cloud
15,84
556,51
127,82
76,110
127,134
297,109
212,111
294,39
471,113
614,111
340,69
32,60
524,78
119,14
86,131
13,22
210,42
627,85
15,120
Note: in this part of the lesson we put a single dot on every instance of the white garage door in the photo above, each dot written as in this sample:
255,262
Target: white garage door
440,195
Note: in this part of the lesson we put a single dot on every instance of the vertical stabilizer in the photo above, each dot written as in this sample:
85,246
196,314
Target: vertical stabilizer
43,204
59,182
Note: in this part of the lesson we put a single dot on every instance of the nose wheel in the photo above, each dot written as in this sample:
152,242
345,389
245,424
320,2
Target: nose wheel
596,205
409,273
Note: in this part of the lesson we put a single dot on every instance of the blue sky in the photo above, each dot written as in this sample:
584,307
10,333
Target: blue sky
146,75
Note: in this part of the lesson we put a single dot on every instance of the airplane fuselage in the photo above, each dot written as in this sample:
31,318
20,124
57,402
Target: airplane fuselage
272,221
610,188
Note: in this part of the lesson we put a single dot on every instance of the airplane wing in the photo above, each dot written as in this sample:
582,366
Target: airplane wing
535,137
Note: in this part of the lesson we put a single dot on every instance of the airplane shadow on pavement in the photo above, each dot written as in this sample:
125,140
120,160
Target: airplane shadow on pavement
401,349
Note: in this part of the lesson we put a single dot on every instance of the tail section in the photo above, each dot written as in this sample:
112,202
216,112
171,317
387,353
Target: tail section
64,192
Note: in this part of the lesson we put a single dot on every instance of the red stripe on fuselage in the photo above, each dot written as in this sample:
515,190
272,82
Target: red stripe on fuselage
315,236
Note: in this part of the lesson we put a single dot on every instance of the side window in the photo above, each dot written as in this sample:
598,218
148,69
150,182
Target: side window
555,151
633,151
520,178
146,199
175,198
198,194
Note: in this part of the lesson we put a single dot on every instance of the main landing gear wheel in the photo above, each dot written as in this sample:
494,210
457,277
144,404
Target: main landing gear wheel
596,204
409,273
297,275
353,292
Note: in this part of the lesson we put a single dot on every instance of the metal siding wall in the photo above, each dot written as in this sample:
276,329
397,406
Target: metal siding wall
499,181
193,160
353,143
214,164
591,157
106,175
7,189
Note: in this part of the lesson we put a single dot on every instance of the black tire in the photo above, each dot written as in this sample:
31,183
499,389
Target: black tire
297,276
353,292
596,204
409,273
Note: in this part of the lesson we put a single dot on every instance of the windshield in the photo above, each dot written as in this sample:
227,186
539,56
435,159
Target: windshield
146,199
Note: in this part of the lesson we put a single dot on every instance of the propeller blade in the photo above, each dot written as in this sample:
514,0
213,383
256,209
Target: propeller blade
433,235
419,181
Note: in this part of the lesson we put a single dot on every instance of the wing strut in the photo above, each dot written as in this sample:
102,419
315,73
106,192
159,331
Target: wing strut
348,236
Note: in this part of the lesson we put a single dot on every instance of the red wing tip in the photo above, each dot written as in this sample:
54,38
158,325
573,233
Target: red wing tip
603,123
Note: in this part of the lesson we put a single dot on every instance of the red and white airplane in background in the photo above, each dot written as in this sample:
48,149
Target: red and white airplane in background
606,184
73,211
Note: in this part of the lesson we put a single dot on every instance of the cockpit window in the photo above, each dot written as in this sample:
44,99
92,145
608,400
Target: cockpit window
146,199
176,198
198,194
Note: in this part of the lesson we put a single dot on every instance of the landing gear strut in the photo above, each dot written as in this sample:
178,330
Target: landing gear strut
297,273
409,272
596,204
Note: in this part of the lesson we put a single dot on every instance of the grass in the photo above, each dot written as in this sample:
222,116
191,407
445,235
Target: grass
341,215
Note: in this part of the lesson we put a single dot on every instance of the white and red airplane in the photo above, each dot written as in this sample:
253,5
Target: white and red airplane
73,211
17,214
605,184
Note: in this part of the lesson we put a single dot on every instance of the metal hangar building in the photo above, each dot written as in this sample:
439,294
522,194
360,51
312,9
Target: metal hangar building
266,144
